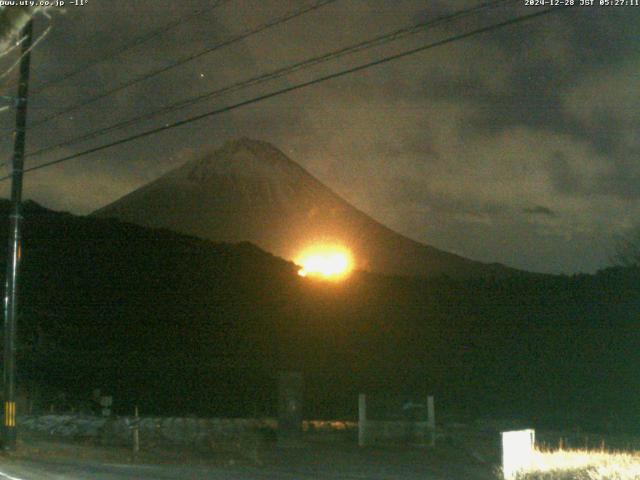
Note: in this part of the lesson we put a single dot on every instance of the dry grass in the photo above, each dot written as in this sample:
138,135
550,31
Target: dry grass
583,465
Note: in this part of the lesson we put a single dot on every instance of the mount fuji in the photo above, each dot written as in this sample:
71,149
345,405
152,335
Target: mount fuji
249,190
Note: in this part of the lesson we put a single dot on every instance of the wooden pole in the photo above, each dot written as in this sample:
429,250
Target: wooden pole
15,245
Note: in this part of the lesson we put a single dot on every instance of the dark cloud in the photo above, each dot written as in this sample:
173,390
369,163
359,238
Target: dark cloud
564,178
547,59
540,210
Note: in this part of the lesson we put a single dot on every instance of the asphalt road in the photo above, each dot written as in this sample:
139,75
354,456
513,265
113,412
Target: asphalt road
70,471
310,463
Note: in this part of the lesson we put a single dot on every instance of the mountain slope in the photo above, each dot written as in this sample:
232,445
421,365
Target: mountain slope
250,191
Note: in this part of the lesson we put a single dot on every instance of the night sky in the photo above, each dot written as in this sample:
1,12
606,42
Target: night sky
517,146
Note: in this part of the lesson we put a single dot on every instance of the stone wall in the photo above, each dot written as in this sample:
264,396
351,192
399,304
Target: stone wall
199,433
395,431
191,432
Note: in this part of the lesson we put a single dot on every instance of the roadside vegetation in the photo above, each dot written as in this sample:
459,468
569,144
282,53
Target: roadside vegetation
582,464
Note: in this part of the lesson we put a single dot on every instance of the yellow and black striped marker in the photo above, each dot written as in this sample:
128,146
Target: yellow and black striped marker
9,414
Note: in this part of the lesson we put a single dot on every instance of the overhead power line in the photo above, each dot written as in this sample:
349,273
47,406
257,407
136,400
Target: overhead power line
236,38
131,45
278,73
298,86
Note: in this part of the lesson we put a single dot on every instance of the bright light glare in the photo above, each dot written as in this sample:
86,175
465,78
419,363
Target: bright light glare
325,262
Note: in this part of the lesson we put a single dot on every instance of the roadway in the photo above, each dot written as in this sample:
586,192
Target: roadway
318,463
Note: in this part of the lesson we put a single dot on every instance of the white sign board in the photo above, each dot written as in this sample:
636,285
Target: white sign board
517,451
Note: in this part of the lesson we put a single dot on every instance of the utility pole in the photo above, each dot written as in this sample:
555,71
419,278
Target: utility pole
15,248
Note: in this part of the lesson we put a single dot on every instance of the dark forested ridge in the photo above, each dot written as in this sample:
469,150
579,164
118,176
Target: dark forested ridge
180,325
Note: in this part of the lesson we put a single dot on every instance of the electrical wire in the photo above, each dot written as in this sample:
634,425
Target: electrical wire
278,73
237,38
41,37
298,86
131,45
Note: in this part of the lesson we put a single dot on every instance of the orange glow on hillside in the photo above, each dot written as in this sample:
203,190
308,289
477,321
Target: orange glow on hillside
328,262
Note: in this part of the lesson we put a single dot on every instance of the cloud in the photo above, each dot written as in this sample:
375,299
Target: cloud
517,146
